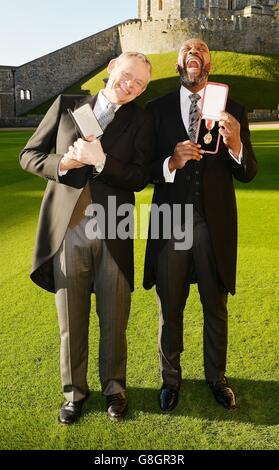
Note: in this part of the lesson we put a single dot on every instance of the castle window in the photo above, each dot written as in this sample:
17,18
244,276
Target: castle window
160,4
25,95
199,4
231,4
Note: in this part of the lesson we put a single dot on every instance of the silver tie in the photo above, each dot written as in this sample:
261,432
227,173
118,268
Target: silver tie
107,115
194,115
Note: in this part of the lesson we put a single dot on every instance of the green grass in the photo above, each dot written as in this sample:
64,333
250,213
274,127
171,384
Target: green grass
29,381
253,79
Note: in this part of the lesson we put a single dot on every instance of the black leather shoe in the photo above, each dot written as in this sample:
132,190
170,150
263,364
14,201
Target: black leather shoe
223,393
71,411
117,406
168,399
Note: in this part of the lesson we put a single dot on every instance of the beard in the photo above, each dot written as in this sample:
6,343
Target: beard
188,81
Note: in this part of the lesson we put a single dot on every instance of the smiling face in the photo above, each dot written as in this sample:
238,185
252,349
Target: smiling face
128,78
194,64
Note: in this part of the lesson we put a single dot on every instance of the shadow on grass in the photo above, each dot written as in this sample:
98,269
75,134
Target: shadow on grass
249,91
256,401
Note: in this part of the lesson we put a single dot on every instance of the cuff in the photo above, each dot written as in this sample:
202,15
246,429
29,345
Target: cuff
169,176
62,173
240,156
100,166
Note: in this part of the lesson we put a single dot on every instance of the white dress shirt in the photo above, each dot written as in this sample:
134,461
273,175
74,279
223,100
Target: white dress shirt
100,105
185,104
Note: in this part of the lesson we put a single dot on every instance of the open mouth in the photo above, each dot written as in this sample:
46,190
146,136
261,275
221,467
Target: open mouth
193,63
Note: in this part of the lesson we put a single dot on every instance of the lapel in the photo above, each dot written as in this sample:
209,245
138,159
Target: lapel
70,128
119,124
176,125
178,131
87,99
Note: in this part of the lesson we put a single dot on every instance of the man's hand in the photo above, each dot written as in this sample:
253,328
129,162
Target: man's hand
81,153
89,151
229,128
68,163
183,152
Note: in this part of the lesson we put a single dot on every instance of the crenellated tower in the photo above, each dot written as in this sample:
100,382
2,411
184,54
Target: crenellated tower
150,10
159,9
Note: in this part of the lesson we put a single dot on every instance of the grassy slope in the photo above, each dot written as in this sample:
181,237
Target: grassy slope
253,79
29,381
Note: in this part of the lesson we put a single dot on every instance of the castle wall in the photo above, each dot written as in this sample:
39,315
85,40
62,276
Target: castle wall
7,106
159,9
144,9
170,9
254,34
51,74
187,8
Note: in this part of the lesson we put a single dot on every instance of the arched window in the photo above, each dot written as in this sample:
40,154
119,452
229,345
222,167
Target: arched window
28,95
160,4
22,95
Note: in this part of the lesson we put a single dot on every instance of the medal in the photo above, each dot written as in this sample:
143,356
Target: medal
209,124
207,138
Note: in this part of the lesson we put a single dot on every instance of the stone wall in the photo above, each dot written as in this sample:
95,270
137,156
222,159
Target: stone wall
22,122
159,10
170,9
51,74
7,105
177,9
254,34
187,9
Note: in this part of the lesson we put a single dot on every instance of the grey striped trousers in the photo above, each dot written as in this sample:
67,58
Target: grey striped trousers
79,264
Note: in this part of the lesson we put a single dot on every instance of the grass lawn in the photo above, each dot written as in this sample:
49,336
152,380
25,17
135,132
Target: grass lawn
29,380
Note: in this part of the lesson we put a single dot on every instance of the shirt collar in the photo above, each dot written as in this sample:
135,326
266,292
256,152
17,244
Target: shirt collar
103,101
185,93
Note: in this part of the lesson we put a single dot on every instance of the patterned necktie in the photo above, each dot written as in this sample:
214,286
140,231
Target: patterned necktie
194,115
107,115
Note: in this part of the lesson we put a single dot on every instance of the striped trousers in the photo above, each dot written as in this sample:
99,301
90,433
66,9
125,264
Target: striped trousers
79,264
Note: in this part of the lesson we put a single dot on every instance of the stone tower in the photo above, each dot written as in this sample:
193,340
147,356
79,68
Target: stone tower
218,8
159,9
150,10
177,9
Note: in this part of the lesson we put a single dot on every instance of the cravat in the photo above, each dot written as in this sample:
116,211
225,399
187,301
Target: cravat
107,115
194,115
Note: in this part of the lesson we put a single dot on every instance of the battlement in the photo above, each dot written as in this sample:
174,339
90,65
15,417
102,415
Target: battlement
181,9
238,33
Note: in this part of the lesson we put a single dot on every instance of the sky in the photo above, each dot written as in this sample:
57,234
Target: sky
32,28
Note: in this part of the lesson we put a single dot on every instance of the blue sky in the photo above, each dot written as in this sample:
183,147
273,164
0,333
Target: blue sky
32,28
